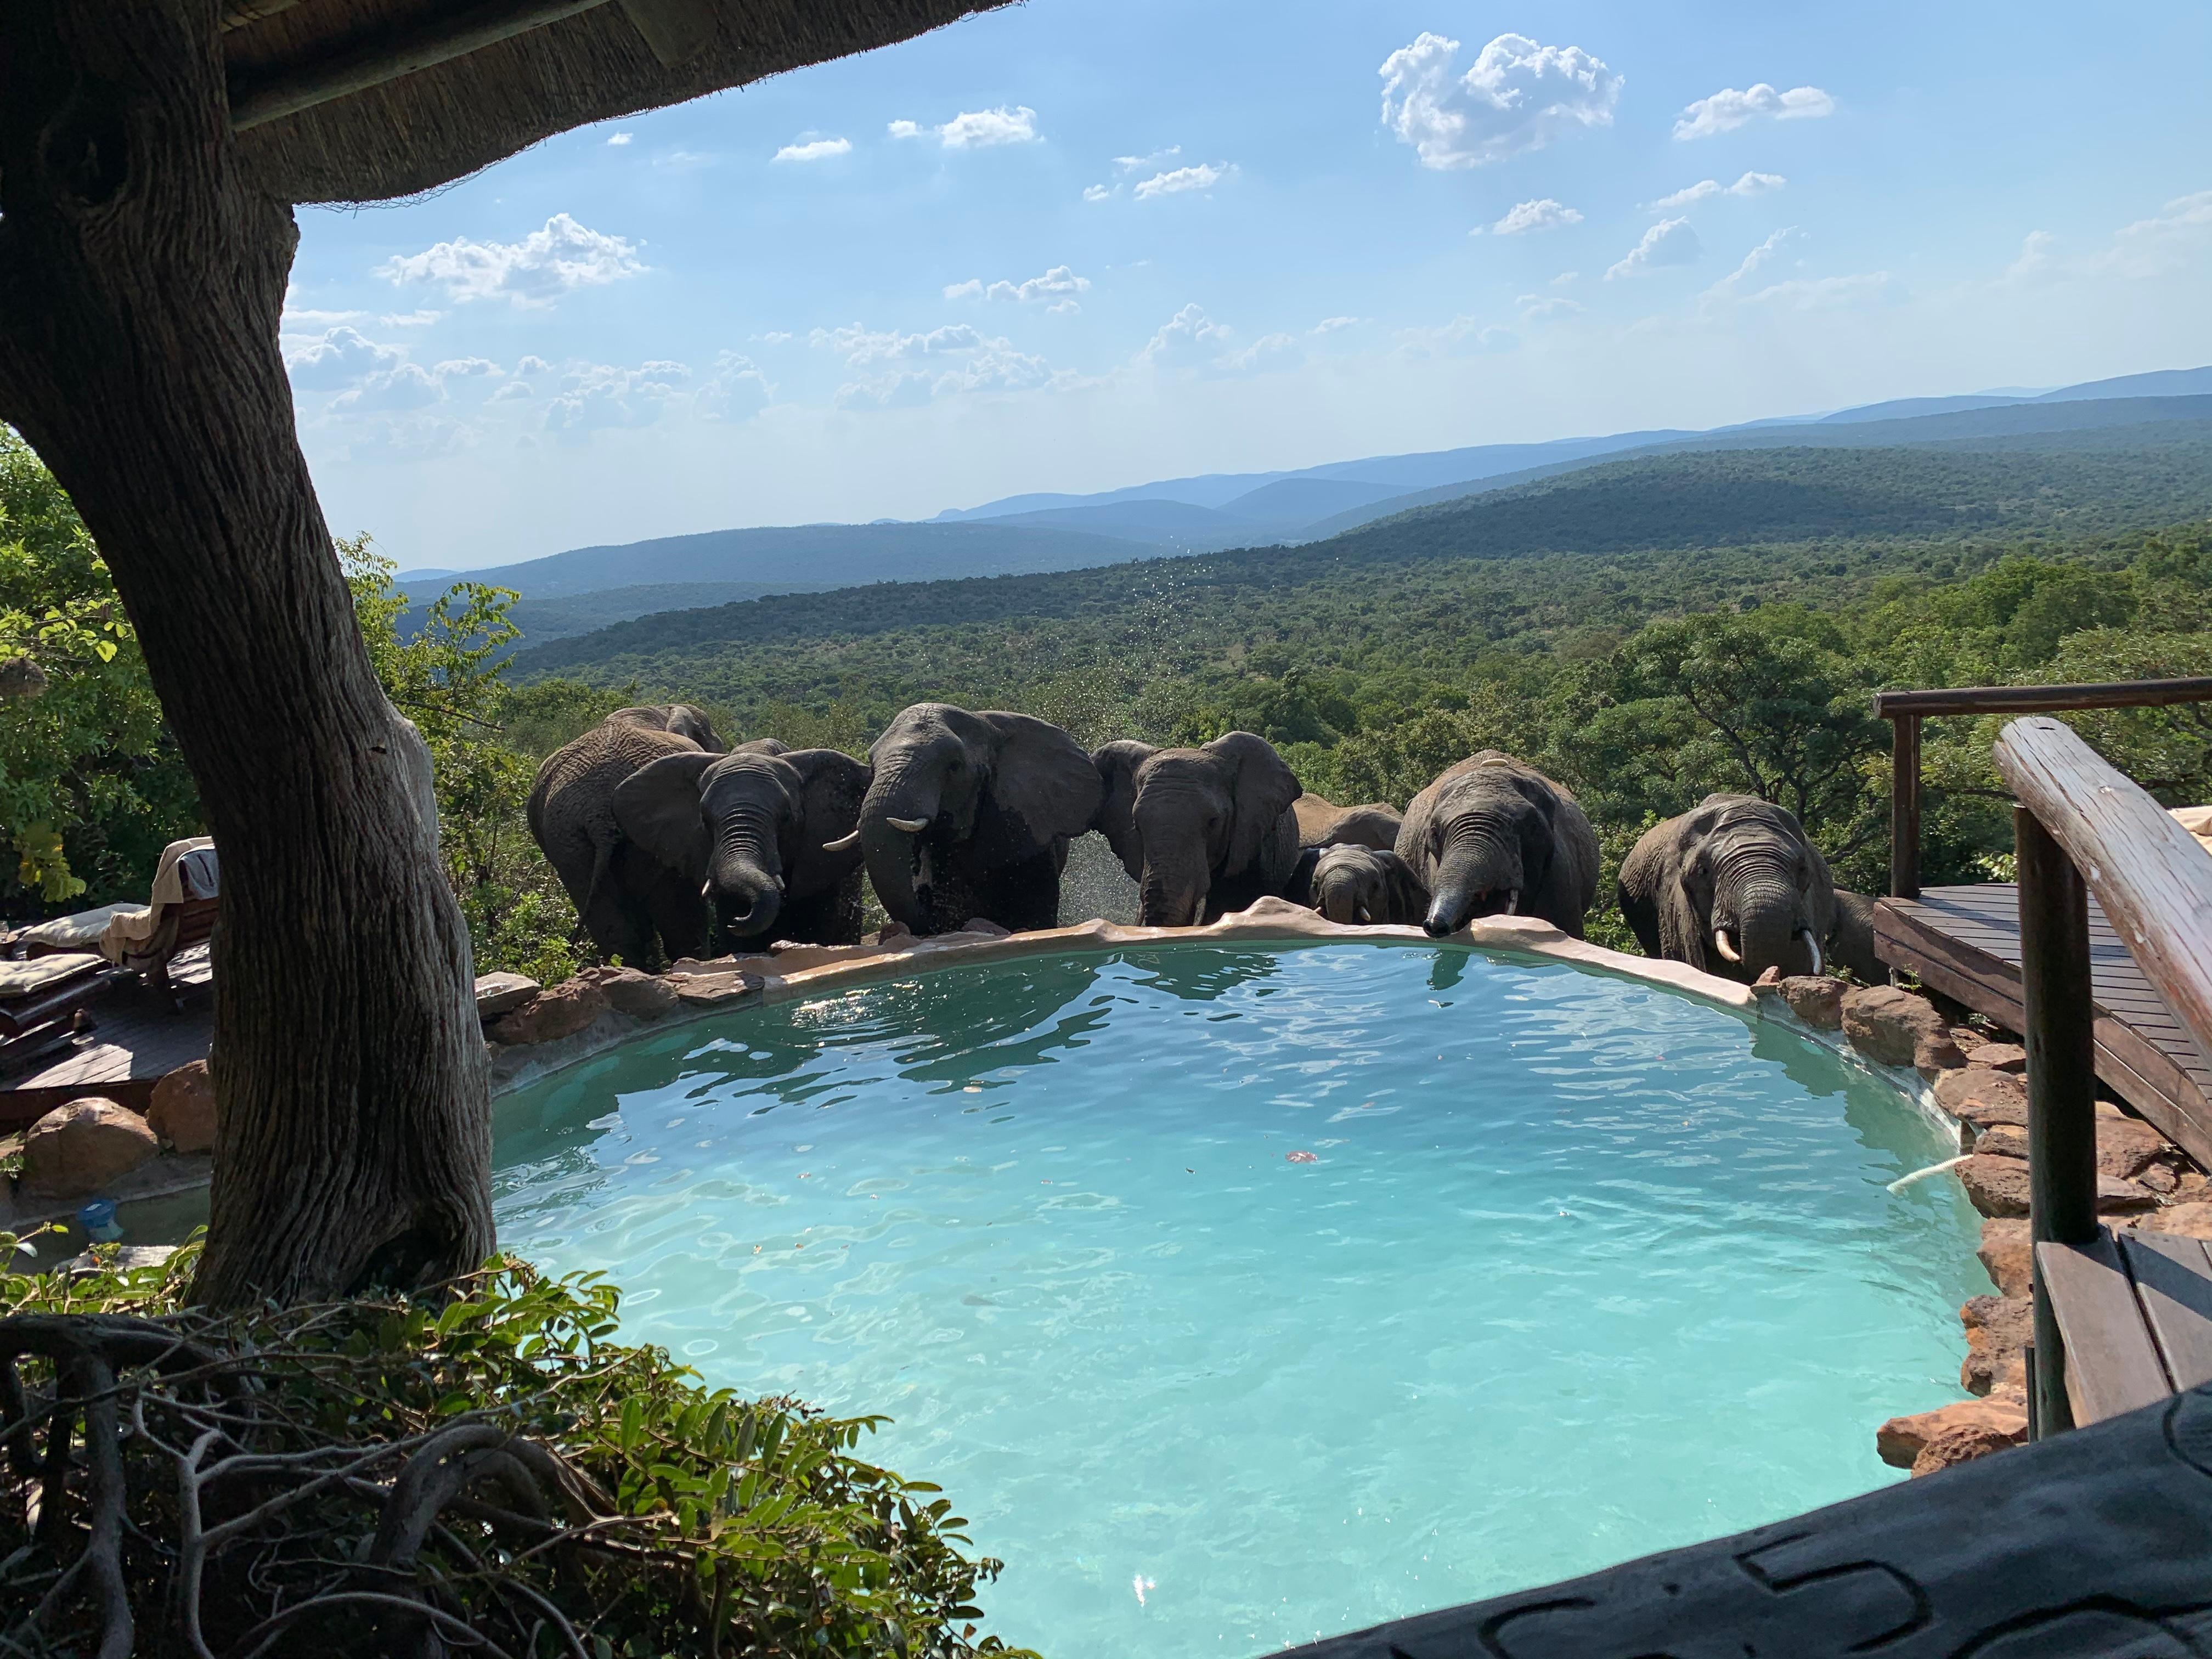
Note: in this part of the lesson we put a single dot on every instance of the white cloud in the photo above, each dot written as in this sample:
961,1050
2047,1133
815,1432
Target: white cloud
1268,351
533,364
1565,278
1751,184
2166,242
533,271
343,355
1544,215
592,396
320,319
913,368
1534,308
775,337
1669,242
1187,338
2034,263
411,319
1131,163
1462,333
465,369
1331,324
1729,285
1205,176
1871,287
1518,96
1098,193
1729,109
813,149
619,138
976,129
736,389
405,387
513,392
1058,284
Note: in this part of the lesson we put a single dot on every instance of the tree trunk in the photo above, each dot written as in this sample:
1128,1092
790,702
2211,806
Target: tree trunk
142,279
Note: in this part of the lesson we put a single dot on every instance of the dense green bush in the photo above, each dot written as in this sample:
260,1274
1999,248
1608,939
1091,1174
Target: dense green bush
487,1465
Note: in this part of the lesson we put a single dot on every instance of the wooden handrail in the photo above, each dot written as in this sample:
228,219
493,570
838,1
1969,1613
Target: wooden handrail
2150,874
2039,699
1906,709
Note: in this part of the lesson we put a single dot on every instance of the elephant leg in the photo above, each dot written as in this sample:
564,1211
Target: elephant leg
678,915
1025,894
830,918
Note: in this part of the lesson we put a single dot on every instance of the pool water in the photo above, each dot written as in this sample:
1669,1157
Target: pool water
1238,1297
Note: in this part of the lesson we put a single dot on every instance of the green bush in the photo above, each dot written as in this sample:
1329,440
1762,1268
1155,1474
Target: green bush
487,1466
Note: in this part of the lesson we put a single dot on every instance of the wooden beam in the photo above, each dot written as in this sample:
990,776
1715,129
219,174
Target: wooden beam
2112,1365
2151,877
1905,808
2039,699
373,59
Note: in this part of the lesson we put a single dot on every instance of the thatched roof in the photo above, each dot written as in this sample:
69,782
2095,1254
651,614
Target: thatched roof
356,100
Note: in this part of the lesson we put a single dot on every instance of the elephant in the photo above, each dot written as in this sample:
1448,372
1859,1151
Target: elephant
1323,824
969,815
629,904
1359,885
1851,944
767,835
1202,831
1491,835
1733,887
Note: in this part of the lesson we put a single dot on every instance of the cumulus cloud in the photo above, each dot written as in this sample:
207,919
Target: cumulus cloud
976,129
1534,308
1331,324
736,389
913,368
534,272
404,387
1269,351
1205,176
1187,339
1544,215
592,396
1516,96
343,355
1751,184
1098,193
1729,109
618,138
1729,285
1132,163
533,364
813,149
465,369
418,318
2034,264
2166,241
1060,283
1669,242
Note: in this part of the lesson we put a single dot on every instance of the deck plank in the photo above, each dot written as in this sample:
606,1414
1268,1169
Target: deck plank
2112,1365
2173,1283
136,1040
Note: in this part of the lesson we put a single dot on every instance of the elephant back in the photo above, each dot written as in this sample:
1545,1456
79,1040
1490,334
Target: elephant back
571,808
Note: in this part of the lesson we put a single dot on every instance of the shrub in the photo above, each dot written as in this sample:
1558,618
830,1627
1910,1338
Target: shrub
487,1470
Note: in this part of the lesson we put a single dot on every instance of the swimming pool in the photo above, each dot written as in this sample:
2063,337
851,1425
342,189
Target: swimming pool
1241,1295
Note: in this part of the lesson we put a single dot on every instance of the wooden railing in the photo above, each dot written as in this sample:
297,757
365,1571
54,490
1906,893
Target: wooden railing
2083,828
1906,709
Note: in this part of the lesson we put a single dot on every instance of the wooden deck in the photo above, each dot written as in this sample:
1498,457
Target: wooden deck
2135,1313
135,1042
1964,942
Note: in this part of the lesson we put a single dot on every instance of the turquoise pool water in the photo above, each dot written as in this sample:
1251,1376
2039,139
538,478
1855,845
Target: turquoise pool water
1295,1290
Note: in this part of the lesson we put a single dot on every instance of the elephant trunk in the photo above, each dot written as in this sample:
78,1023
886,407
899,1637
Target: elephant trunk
744,875
895,818
1338,898
1172,893
1761,921
1479,875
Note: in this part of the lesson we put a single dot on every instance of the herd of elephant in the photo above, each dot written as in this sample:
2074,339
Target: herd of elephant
673,846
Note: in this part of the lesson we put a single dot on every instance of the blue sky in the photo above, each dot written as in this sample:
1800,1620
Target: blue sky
1078,244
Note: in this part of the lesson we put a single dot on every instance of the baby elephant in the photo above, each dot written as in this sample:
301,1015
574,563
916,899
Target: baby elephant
1202,831
765,835
1492,836
1359,886
1733,888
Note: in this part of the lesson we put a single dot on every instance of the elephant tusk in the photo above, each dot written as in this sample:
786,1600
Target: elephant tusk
912,826
706,889
1513,903
1361,916
1721,944
844,843
1812,944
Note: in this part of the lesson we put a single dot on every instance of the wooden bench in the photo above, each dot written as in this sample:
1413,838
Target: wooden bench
2134,1311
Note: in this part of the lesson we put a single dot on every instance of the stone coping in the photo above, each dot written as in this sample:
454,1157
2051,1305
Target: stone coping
815,971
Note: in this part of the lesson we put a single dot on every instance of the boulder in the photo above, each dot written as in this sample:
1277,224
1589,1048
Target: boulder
894,933
2159,1177
1953,1090
1995,1186
1999,1057
1895,1028
2190,1220
503,994
1900,1441
642,996
984,925
1998,1330
712,990
1816,999
182,1112
1980,1115
562,1010
2128,1146
76,1149
2003,1140
2006,1250
1962,1442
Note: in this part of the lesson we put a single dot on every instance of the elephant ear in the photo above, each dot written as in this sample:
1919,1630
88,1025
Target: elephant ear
658,808
1116,766
1409,897
832,786
1043,777
1262,787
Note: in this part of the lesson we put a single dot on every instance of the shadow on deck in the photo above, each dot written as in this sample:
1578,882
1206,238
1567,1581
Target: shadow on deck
137,1038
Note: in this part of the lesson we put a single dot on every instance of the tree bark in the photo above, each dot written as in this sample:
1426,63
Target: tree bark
141,281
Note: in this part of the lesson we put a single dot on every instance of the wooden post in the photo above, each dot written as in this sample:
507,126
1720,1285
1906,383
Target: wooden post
2061,1080
1905,807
